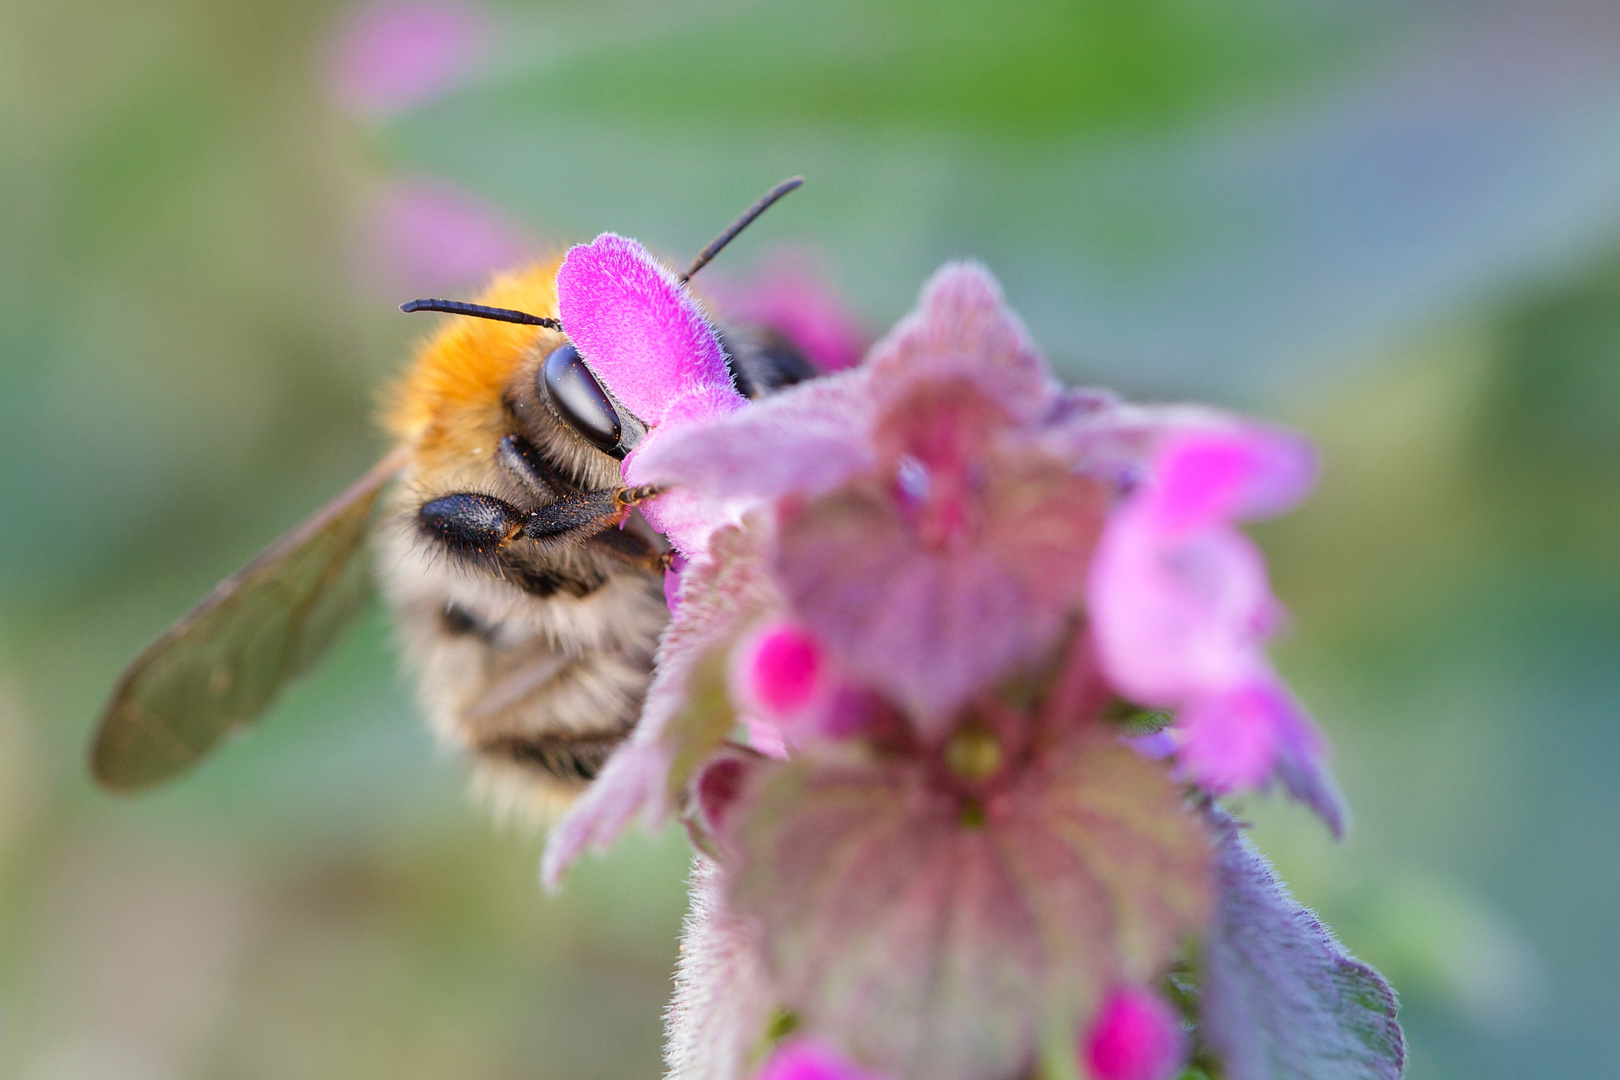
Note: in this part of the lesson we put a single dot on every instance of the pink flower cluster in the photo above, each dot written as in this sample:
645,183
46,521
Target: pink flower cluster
919,596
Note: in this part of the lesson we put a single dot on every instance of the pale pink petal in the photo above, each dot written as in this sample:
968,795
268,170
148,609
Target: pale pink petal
807,439
767,737
723,1000
933,625
719,596
390,56
811,1059
1135,1036
937,945
963,330
1176,615
633,782
636,326
687,514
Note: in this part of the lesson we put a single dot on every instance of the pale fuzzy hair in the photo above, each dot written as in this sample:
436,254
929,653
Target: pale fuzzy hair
716,1025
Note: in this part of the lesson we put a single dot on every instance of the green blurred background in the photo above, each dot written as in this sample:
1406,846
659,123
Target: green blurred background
1396,225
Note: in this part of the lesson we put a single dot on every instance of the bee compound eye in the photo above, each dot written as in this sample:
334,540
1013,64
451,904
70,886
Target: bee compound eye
579,400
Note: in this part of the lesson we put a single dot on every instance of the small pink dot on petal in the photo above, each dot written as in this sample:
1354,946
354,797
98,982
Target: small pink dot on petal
1136,1036
785,670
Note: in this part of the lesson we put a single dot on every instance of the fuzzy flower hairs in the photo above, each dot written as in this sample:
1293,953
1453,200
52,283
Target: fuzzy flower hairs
932,605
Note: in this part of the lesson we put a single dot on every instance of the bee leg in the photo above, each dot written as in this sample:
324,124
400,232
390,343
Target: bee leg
577,517
469,523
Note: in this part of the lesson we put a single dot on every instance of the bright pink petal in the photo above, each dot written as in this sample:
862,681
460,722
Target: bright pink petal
1230,739
811,1059
1136,1036
779,671
1244,737
390,56
637,327
1216,476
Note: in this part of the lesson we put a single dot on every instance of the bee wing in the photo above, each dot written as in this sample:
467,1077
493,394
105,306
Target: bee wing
225,660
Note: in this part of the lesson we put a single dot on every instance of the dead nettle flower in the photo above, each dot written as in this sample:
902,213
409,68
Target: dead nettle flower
923,592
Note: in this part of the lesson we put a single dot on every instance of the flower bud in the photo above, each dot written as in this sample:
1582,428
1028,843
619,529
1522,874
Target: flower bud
1136,1036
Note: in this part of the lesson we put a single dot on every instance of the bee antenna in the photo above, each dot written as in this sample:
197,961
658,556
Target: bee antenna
481,311
740,224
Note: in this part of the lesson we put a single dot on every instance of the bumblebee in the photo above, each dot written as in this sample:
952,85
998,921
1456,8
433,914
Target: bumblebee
527,589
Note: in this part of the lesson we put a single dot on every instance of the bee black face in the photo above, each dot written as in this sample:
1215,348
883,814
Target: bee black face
579,400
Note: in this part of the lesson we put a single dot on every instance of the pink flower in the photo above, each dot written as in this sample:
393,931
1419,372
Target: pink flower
1136,1036
430,237
392,55
780,672
645,337
934,910
808,1059
790,295
925,535
1181,608
924,586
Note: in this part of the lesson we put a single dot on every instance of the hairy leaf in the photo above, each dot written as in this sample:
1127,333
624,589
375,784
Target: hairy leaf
1281,998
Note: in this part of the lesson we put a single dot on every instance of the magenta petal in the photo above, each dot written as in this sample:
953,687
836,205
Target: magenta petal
1214,476
636,326
1242,738
1230,740
779,671
1135,1036
811,1059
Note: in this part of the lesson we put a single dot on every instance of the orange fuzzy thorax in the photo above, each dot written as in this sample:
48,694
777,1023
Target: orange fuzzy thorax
449,404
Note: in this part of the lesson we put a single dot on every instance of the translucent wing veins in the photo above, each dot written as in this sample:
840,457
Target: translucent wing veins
225,660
